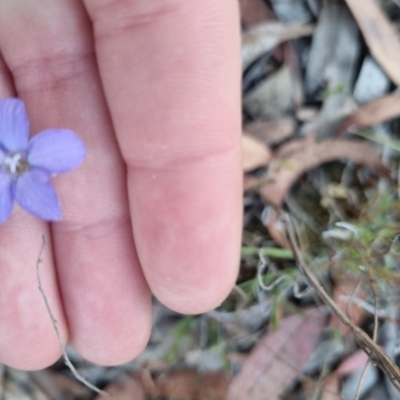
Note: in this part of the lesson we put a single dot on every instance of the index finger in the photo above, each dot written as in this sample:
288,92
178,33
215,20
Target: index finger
171,75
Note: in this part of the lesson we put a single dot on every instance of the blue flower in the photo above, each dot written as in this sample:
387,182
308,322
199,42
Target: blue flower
27,165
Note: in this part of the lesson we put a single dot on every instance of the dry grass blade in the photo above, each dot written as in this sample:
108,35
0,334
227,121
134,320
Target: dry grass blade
374,351
379,34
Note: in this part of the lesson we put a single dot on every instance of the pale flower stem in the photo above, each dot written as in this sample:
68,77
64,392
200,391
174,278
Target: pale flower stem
360,382
67,361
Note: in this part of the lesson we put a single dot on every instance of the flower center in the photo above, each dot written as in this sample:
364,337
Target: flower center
15,163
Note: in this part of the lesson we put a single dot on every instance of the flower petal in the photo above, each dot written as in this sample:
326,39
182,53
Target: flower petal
14,125
56,150
6,196
2,156
36,194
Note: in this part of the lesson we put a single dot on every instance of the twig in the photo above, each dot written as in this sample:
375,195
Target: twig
374,335
376,354
67,361
360,382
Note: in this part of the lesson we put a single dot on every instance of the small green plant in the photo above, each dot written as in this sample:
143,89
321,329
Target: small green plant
330,91
369,252
183,329
278,281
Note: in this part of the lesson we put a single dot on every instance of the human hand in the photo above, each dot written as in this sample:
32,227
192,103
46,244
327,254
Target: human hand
152,88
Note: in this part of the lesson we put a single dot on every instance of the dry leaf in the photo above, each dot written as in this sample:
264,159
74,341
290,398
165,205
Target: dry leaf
272,131
255,153
332,63
278,357
347,286
334,110
186,384
276,227
297,157
58,385
291,11
380,35
17,385
353,363
331,388
353,367
292,61
253,12
252,182
331,385
306,113
190,384
125,388
273,96
375,112
266,36
333,57
372,82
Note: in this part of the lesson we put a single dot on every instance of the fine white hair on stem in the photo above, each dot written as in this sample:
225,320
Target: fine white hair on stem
67,361
264,265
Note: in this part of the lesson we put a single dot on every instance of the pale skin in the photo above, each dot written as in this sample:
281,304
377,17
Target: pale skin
153,89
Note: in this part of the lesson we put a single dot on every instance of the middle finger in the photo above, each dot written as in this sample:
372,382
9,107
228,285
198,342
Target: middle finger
106,299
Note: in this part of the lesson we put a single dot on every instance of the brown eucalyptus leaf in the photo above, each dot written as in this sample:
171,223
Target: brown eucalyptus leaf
352,364
253,12
347,286
292,61
272,131
58,386
251,183
331,388
265,37
297,157
255,153
192,385
380,35
125,388
372,113
278,357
